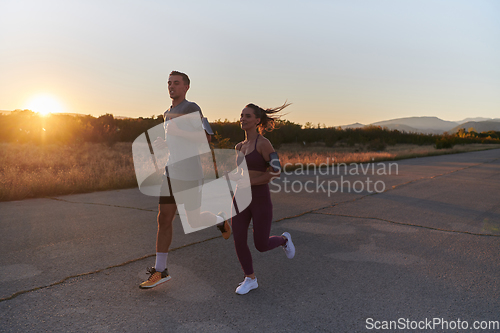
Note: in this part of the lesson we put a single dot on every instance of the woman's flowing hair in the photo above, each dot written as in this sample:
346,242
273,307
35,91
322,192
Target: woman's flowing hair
267,122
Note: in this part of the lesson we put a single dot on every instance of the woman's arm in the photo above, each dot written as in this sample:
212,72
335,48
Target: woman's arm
236,176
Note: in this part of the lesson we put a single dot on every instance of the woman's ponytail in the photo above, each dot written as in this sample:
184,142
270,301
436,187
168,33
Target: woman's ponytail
267,123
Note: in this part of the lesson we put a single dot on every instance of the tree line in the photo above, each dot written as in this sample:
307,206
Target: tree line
25,126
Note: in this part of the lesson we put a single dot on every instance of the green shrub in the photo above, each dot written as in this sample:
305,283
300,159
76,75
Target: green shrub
444,143
376,145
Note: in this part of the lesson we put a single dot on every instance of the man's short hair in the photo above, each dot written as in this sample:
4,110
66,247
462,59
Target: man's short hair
185,78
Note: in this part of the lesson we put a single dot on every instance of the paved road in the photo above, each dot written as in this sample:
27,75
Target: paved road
427,247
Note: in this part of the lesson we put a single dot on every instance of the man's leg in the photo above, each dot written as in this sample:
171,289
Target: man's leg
159,273
166,215
191,198
198,219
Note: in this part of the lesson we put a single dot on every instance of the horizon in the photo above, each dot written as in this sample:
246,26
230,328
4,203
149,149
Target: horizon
337,62
459,122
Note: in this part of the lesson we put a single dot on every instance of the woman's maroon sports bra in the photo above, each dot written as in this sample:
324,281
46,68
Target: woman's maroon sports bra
254,160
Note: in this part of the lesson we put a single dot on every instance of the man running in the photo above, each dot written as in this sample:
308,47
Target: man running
184,176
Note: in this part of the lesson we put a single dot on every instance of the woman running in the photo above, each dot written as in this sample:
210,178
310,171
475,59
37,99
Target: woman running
263,166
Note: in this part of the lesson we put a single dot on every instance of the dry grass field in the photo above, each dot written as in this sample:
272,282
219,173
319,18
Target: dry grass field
31,171
292,155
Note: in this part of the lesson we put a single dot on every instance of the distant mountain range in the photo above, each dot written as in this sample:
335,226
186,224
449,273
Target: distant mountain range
479,126
427,125
434,125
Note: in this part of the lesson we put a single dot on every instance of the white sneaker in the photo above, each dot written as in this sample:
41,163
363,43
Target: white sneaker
288,247
247,285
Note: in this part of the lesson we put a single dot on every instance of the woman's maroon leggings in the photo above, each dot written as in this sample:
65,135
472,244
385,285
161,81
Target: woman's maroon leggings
260,211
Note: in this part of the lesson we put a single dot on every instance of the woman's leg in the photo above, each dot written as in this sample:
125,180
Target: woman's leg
262,219
240,224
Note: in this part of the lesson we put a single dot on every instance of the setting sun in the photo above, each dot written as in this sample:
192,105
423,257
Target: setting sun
45,104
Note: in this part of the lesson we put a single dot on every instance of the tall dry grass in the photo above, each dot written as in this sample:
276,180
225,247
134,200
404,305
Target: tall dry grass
291,159
294,155
30,171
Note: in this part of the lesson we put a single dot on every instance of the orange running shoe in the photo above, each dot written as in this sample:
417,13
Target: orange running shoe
155,278
224,227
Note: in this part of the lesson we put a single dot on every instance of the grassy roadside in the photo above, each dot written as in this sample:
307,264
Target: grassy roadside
292,156
31,171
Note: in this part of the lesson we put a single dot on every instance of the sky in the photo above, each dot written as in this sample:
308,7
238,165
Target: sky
337,62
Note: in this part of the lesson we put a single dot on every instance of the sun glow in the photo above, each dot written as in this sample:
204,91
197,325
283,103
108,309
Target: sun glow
45,105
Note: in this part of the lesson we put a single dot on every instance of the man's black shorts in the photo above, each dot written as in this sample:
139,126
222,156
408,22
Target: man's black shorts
188,192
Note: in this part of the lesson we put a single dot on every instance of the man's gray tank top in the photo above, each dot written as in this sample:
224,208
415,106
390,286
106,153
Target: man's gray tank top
190,168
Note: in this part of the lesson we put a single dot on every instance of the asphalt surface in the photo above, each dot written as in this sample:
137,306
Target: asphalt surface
425,249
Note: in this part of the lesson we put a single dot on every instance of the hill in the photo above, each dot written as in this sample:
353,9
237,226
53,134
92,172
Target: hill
355,125
477,119
479,126
402,128
431,125
388,125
